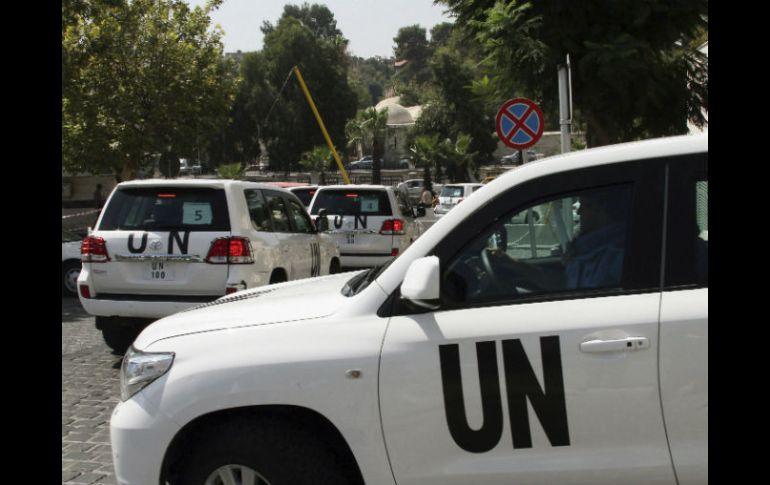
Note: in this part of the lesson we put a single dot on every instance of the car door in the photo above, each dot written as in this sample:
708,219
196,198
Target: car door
292,253
515,381
308,262
684,320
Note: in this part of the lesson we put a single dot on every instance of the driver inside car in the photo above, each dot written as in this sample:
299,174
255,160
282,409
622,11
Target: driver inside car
593,259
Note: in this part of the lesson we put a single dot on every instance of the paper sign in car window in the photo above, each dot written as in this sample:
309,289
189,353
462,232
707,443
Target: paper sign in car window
370,204
197,213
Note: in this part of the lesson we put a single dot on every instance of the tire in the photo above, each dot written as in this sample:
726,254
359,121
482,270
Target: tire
273,450
334,267
118,335
69,272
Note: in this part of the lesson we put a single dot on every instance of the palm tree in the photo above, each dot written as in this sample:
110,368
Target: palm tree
373,124
317,160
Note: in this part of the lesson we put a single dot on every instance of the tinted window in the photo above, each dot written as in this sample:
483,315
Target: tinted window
570,243
278,213
167,208
299,216
305,195
258,211
353,202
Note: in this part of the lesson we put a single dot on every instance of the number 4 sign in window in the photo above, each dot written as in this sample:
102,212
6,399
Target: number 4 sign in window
197,213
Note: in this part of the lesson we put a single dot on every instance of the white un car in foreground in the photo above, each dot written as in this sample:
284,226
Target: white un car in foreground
162,246
499,348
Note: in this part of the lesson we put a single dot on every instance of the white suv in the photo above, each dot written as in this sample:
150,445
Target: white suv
371,224
501,347
453,194
162,246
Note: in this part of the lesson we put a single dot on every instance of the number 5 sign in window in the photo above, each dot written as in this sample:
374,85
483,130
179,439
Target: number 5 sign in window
197,213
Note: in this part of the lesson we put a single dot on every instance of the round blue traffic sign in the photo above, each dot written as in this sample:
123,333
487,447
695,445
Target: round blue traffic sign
519,123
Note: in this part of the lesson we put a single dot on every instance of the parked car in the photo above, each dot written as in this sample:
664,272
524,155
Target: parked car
305,193
371,224
453,194
70,262
441,367
163,246
515,159
414,187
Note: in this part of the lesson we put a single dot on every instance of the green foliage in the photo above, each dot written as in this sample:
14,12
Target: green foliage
291,128
372,125
317,160
636,70
229,171
139,78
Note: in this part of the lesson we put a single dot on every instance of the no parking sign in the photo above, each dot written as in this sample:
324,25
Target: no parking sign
519,123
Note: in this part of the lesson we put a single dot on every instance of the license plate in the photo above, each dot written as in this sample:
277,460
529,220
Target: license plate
350,238
160,270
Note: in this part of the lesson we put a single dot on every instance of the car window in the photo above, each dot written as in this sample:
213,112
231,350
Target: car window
543,248
403,203
167,208
452,191
305,195
299,216
278,213
353,202
258,211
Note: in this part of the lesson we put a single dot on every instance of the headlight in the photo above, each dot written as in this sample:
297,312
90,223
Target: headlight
141,368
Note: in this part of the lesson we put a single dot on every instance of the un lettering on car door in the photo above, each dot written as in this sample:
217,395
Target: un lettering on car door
504,394
521,384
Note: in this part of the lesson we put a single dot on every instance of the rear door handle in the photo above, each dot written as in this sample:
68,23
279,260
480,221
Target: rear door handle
626,344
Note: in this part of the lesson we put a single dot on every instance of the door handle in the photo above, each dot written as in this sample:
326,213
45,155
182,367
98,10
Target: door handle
626,344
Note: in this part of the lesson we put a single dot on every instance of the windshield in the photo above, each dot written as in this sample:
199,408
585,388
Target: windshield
452,191
360,281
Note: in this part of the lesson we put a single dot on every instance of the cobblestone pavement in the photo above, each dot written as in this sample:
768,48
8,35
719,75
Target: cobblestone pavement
90,390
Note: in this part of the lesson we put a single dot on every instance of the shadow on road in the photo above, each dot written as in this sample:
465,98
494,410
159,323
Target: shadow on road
72,310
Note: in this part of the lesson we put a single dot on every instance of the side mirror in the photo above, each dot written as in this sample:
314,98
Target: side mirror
321,222
422,282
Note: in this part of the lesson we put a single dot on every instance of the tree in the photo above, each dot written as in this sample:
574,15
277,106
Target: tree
292,128
635,71
318,19
371,125
317,160
413,47
139,78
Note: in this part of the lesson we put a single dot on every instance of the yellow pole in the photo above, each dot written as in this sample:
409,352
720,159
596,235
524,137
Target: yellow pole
321,124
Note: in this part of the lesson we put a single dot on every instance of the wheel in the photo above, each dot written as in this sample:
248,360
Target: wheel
334,267
258,451
70,271
118,335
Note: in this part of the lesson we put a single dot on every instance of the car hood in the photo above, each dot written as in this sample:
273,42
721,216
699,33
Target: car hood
265,305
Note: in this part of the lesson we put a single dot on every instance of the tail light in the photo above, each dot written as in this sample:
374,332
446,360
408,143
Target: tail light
94,250
392,227
85,292
394,252
230,250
